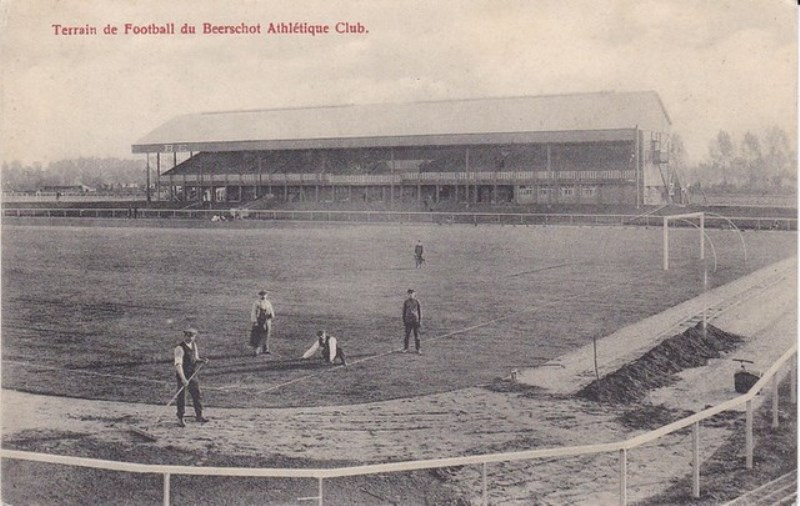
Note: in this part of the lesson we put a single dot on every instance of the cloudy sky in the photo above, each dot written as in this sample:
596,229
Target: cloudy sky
717,64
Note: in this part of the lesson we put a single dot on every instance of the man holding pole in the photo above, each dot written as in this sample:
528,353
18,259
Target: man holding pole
261,316
187,365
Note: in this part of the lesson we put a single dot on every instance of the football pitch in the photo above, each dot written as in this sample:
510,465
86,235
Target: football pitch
96,311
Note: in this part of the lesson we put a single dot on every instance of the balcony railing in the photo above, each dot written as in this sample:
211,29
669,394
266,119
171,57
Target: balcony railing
501,177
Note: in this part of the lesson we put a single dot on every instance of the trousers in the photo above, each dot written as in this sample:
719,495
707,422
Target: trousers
411,327
194,390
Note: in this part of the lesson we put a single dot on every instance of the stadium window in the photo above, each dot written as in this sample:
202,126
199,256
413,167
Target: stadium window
567,191
587,191
545,191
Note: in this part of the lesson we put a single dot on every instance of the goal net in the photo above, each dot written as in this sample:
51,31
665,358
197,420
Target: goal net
695,221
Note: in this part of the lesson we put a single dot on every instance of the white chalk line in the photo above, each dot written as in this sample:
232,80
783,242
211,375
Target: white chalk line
442,336
98,374
387,353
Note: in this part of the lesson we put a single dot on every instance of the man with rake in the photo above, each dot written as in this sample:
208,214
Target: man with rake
187,358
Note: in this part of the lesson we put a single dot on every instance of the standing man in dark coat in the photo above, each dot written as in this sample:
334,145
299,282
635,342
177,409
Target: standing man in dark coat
412,319
187,358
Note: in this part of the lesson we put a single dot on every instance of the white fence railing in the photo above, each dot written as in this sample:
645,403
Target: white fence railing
770,377
475,218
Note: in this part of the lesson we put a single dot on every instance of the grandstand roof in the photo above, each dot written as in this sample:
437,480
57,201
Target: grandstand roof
546,118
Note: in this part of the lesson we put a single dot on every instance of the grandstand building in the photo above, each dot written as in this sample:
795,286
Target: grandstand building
591,148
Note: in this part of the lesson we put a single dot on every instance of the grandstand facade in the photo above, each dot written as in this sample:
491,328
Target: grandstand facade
592,148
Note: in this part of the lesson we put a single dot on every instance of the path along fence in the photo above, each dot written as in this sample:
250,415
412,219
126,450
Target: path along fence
442,218
770,379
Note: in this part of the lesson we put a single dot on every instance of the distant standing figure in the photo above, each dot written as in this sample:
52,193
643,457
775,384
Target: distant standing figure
418,258
412,319
261,318
328,346
187,357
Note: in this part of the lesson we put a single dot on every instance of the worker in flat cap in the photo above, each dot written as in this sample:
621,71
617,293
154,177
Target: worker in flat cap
261,317
187,360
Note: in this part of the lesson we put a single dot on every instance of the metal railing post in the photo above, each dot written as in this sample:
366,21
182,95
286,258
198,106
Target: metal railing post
748,436
794,380
166,489
485,494
696,460
623,477
775,421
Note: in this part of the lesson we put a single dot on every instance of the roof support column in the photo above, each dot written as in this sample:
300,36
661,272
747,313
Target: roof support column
549,161
260,177
466,181
147,183
158,176
391,182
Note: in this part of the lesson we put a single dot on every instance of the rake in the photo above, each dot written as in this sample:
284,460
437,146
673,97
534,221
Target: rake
147,435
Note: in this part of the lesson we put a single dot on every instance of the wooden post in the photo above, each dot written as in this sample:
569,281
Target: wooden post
794,379
623,477
665,241
166,489
705,301
636,164
696,460
485,494
748,436
320,491
775,422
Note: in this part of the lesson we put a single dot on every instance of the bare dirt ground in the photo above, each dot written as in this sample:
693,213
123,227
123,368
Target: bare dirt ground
494,418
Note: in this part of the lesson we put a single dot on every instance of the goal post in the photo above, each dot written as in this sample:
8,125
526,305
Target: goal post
684,217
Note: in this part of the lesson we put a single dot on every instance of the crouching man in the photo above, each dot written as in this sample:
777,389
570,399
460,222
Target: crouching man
328,347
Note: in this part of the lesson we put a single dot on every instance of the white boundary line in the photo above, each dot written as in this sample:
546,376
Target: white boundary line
387,353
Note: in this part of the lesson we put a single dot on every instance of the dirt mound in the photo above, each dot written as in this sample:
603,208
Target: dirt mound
658,367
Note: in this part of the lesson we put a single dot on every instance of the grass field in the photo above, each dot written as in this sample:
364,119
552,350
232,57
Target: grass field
95,311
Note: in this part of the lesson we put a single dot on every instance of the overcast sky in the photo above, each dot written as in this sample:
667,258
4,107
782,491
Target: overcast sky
717,64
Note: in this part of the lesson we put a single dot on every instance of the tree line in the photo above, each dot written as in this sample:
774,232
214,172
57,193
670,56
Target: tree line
99,173
753,163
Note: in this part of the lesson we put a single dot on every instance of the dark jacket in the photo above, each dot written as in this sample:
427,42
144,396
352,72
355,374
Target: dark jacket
412,311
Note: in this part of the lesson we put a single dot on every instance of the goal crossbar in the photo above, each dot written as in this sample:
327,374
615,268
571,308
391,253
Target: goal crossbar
685,216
